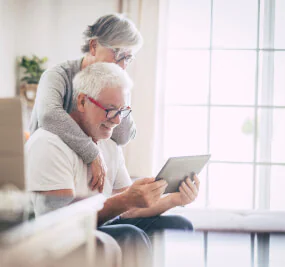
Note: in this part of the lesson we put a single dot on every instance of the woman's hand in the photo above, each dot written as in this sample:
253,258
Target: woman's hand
99,170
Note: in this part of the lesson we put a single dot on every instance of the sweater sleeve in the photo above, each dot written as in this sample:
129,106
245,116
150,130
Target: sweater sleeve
52,117
125,131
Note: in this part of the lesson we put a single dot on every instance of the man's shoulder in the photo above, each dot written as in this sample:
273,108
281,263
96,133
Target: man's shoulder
45,140
42,135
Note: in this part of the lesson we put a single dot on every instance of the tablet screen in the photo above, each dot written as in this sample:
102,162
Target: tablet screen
177,168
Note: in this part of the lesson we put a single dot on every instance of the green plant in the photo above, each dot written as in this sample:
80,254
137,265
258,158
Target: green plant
33,68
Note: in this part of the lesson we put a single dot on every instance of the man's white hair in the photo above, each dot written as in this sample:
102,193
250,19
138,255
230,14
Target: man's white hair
98,76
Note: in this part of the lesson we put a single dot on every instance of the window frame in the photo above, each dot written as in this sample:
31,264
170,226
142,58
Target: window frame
265,51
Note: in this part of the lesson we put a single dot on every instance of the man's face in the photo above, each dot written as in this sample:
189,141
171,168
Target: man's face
94,121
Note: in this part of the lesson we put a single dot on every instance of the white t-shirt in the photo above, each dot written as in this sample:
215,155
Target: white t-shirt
52,165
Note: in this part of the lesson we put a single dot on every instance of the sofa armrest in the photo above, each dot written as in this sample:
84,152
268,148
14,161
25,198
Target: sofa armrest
229,220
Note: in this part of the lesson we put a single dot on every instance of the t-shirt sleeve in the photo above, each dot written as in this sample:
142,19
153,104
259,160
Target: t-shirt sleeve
45,203
48,167
52,117
122,178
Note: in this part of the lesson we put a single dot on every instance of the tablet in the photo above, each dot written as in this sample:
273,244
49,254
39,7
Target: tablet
177,168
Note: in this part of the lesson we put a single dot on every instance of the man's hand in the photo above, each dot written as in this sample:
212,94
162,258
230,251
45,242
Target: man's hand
188,192
144,192
99,170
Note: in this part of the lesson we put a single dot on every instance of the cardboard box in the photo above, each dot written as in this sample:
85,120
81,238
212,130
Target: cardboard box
11,143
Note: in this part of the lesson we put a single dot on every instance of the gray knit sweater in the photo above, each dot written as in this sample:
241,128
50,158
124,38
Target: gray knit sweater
54,102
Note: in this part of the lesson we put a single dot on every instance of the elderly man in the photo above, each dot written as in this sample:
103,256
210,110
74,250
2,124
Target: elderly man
99,104
58,175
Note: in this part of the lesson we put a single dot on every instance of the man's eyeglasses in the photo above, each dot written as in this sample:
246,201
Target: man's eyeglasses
112,113
121,55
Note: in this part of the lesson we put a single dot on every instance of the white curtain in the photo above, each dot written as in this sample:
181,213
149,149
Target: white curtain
142,153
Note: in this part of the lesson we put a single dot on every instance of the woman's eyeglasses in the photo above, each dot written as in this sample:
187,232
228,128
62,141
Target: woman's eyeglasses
121,55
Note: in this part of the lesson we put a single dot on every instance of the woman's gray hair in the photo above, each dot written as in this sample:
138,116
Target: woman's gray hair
98,76
114,31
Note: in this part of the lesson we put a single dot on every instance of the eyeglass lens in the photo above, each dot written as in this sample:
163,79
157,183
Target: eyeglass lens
122,113
121,55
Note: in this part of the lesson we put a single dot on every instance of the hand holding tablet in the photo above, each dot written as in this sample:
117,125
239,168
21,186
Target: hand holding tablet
176,169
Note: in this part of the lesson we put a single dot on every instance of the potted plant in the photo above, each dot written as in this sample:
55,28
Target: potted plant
32,73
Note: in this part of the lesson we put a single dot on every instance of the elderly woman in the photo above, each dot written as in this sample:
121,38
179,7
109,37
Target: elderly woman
112,38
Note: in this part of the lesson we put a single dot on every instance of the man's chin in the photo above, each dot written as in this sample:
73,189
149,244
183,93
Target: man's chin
106,134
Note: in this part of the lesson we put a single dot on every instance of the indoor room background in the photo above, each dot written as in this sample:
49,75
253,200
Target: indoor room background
210,79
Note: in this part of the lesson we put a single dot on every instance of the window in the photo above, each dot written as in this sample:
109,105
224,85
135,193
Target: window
224,94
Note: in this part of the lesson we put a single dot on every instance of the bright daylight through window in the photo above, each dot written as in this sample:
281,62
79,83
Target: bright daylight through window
224,88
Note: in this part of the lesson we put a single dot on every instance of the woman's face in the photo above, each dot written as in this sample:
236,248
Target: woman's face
104,54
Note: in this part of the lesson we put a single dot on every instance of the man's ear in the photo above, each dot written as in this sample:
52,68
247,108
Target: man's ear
81,102
92,47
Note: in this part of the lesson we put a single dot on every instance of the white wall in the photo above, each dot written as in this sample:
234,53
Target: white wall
139,152
51,28
7,48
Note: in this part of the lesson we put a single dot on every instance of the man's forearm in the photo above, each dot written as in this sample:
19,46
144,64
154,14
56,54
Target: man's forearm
143,193
164,204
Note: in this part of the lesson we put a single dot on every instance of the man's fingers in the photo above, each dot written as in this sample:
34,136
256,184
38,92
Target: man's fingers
182,191
156,195
187,198
145,181
197,181
160,190
156,185
188,191
192,186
